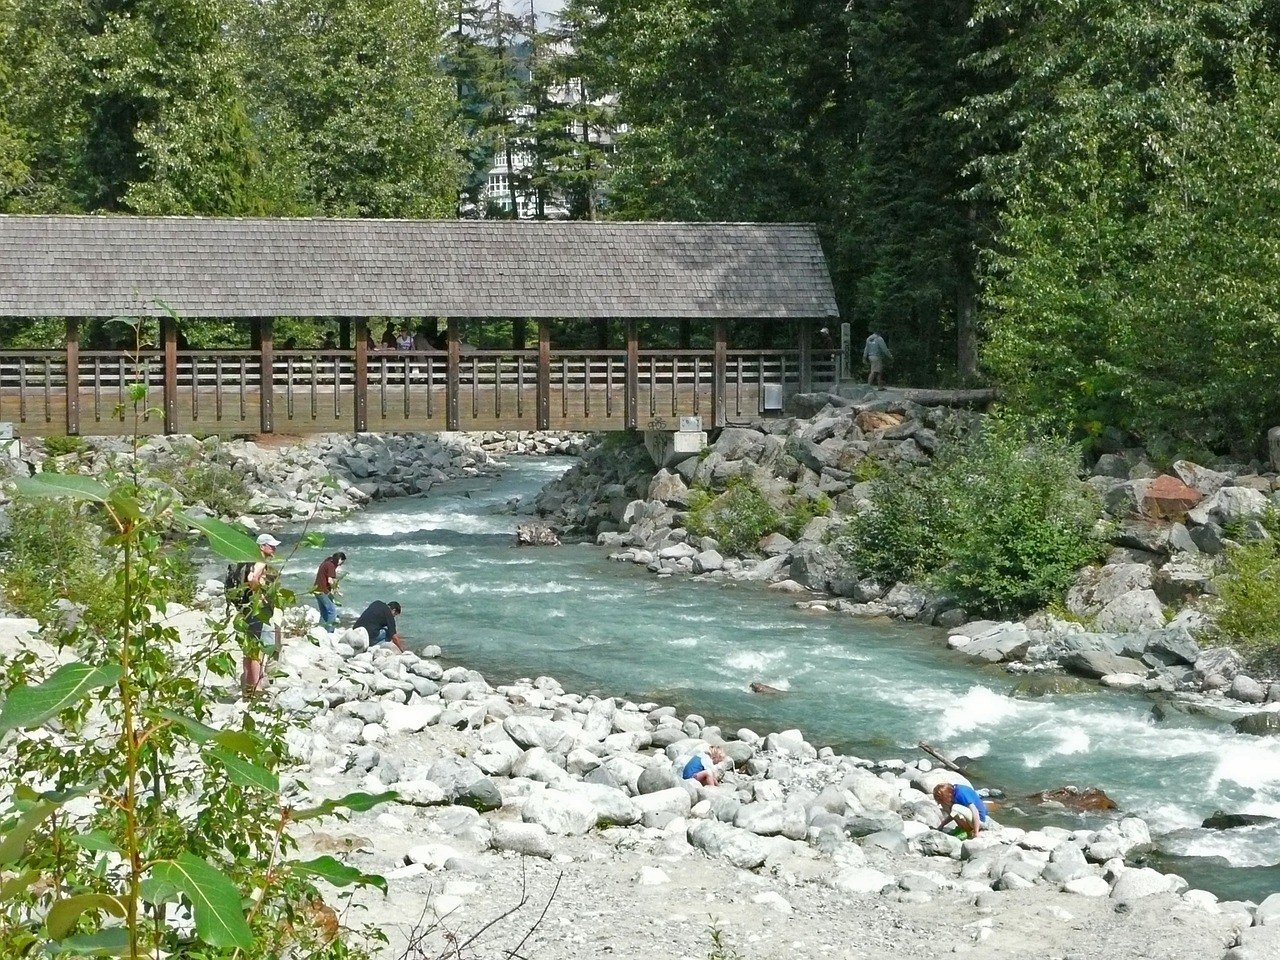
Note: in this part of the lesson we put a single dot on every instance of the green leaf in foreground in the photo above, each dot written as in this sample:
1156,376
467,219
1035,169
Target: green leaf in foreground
113,942
355,802
224,539
245,772
99,841
63,486
14,843
64,914
31,706
337,873
219,917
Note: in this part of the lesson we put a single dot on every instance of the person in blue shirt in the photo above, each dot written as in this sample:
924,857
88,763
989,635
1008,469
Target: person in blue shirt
962,805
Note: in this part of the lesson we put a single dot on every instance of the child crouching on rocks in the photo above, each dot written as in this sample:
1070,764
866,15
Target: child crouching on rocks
963,807
702,767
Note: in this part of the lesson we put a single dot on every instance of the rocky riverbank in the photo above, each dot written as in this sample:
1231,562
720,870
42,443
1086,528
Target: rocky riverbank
557,816
274,480
1132,622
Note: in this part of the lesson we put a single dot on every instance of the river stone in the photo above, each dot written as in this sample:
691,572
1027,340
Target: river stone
708,561
656,778
1117,579
1066,863
1118,840
1046,684
859,825
774,545
1222,662
1231,504
1264,724
1097,664
860,880
872,793
550,735
1174,645
536,764
935,843
669,488
1133,611
465,784
790,743
559,812
740,847
1247,690
613,807
1136,883
410,718
675,801
526,839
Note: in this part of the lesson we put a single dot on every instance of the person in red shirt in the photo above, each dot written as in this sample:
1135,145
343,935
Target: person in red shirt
326,583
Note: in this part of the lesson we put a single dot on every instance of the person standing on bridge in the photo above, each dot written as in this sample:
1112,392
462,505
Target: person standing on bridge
875,352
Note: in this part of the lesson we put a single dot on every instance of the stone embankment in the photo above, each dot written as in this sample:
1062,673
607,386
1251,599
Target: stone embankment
1131,622
288,480
500,784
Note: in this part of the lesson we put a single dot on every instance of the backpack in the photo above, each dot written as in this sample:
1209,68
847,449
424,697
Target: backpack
236,584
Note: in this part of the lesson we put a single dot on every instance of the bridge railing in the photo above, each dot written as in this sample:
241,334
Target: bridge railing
307,391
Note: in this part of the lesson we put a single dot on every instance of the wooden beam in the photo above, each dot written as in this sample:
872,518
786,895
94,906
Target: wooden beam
805,338
720,362
266,367
632,392
544,375
360,335
169,342
73,376
453,379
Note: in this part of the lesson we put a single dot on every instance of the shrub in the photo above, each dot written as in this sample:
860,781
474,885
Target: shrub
1000,521
803,511
198,477
51,554
60,446
737,519
1247,612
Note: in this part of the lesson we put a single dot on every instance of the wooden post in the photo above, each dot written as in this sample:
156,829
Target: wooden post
632,392
686,334
519,333
169,341
360,330
544,375
266,371
453,379
719,410
805,337
73,376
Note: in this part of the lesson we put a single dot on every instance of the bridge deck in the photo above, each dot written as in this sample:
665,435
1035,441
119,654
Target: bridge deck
320,391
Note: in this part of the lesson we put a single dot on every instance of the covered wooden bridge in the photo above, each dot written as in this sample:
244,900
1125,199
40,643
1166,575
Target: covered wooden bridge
724,276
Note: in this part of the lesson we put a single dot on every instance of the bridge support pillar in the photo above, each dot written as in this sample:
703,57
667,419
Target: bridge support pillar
73,376
632,390
361,345
266,367
544,375
720,362
805,337
669,447
452,378
169,343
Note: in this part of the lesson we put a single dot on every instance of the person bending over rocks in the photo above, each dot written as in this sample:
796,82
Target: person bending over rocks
379,622
963,807
702,767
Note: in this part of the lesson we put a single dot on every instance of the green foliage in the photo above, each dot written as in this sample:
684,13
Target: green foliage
56,446
198,477
737,518
1000,521
1137,272
1247,610
802,511
51,554
720,948
179,812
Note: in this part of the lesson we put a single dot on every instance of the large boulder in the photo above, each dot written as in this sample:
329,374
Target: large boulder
1133,611
1201,479
814,565
1168,498
669,488
1098,664
526,839
465,784
1262,724
1231,504
738,443
559,812
551,735
740,847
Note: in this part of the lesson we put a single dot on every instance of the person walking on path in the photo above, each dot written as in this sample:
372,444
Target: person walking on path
962,806
876,352
259,615
325,586
379,622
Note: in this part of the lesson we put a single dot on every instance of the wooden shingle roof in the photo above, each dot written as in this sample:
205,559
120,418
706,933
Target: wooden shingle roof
82,266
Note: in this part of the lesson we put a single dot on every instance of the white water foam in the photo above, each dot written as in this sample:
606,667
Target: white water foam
685,642
755,662
398,524
978,707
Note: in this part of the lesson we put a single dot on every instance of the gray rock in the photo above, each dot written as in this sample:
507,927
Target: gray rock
708,562
790,743
550,735
657,777
560,812
526,839
861,825
1136,610
1136,883
1200,478
774,545
1219,662
612,806
1098,664
935,843
1247,690
814,565
1208,537
1066,863
891,841
740,847
465,784
1259,724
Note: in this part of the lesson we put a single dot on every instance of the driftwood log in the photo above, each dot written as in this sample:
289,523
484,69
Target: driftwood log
945,761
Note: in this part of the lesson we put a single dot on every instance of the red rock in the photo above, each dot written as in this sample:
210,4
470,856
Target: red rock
869,421
1169,498
1090,798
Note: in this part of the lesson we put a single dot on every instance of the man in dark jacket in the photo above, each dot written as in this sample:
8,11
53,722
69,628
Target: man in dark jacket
379,621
